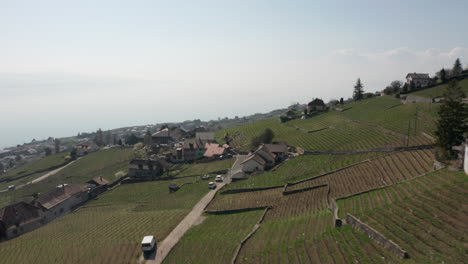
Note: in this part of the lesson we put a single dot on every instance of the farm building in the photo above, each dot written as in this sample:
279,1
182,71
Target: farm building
264,153
85,148
98,181
236,171
61,200
214,150
316,105
165,137
19,218
418,79
253,163
279,149
204,137
144,168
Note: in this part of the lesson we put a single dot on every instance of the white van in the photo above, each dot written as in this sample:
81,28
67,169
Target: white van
148,243
219,178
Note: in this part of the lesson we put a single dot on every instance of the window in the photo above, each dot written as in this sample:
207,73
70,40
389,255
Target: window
140,167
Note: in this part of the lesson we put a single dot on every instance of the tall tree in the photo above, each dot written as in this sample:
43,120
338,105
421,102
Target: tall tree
57,145
443,75
457,68
341,100
358,90
2,168
453,115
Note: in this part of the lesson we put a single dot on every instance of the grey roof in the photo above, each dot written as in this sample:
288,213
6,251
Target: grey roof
418,75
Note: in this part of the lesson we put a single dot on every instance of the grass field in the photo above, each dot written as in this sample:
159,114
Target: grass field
107,230
203,168
31,168
103,163
440,89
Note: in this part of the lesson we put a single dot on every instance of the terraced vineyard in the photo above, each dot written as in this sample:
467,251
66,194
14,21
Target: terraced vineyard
215,240
107,230
368,124
426,216
439,90
283,206
383,171
300,168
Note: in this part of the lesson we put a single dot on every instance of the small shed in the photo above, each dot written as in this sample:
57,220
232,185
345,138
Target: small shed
98,181
173,187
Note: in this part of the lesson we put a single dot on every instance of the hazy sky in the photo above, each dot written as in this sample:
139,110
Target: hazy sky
73,66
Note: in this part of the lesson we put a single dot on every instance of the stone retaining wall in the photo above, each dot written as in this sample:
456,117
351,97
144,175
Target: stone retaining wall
251,189
376,236
286,192
241,244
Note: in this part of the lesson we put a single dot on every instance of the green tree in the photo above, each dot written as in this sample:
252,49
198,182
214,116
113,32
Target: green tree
358,90
443,75
453,115
266,137
48,151
2,168
341,101
457,68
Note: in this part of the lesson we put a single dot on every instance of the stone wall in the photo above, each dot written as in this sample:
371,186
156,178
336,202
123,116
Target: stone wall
376,236
251,189
417,99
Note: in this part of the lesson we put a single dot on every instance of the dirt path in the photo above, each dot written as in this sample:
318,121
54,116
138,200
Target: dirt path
190,220
50,173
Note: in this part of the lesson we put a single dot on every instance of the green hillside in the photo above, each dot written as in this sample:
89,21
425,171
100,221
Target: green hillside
371,123
109,229
438,91
103,163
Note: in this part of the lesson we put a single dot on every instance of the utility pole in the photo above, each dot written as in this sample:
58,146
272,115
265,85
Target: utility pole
416,121
407,136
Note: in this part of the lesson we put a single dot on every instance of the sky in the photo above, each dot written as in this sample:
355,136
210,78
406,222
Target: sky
77,66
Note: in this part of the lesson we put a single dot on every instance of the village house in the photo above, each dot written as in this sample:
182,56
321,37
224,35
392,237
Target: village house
165,137
61,200
19,218
264,153
144,168
214,150
86,148
418,79
316,105
204,137
279,149
253,163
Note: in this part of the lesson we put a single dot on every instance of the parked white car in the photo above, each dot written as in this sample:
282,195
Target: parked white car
148,243
219,178
11,187
212,185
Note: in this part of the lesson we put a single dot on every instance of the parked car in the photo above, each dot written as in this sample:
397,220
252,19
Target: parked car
212,185
148,243
219,178
205,177
11,187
